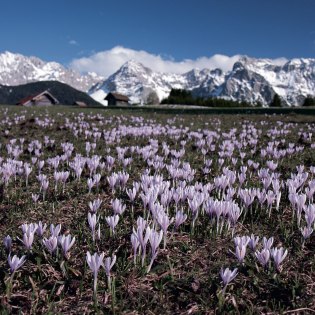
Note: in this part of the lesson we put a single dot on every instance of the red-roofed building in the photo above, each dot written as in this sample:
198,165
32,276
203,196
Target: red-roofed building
40,99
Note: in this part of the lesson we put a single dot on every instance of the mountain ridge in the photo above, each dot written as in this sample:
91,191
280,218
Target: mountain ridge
17,69
251,79
65,94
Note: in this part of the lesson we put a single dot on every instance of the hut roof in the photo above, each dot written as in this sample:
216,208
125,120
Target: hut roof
79,103
118,97
27,99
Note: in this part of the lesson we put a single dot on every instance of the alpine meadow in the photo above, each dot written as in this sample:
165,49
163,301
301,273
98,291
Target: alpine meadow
121,212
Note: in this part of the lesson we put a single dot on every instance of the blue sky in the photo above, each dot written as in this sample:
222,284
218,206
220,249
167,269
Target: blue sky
67,30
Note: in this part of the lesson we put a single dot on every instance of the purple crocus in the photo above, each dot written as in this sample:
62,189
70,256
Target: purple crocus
92,219
227,276
306,232
135,245
112,221
155,239
95,205
180,218
108,265
94,261
263,256
278,255
15,262
7,242
41,228
51,243
66,242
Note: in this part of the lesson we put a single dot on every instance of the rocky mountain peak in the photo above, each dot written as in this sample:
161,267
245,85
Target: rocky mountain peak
16,69
250,79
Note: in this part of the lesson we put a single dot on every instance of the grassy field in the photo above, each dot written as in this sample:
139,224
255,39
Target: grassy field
205,188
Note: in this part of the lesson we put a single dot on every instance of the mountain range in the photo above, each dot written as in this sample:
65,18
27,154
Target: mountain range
252,80
16,69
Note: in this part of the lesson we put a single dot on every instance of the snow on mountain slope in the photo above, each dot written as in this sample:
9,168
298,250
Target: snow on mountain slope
16,69
99,96
137,81
251,80
292,81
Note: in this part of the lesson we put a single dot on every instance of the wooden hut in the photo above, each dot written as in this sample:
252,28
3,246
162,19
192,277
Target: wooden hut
80,104
116,99
44,98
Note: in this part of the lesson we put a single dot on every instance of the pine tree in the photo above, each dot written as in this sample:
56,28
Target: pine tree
276,102
309,101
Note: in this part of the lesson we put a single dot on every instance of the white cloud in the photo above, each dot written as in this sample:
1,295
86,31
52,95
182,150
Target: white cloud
107,62
73,42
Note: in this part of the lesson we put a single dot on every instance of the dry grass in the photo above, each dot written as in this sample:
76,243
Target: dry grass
185,276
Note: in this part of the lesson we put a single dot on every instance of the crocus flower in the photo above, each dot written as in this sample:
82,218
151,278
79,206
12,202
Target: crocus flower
267,243
112,222
241,240
118,206
7,242
135,244
95,205
278,255
15,262
98,232
95,262
28,239
35,197
227,275
90,183
92,219
29,228
263,256
44,187
66,243
155,239
41,229
180,218
164,222
55,230
240,252
143,240
253,242
108,265
51,243
306,232
310,215
131,194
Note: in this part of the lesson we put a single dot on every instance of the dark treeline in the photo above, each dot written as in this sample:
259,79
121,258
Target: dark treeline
183,97
309,101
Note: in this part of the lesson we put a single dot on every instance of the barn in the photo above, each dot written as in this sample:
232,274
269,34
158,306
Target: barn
44,98
116,99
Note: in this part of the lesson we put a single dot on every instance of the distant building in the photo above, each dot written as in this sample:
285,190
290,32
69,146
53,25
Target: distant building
40,99
80,104
115,99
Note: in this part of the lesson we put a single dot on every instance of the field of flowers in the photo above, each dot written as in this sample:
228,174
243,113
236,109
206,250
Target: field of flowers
116,212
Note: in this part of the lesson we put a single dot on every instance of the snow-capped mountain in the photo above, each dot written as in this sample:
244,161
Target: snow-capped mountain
137,81
251,80
16,69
